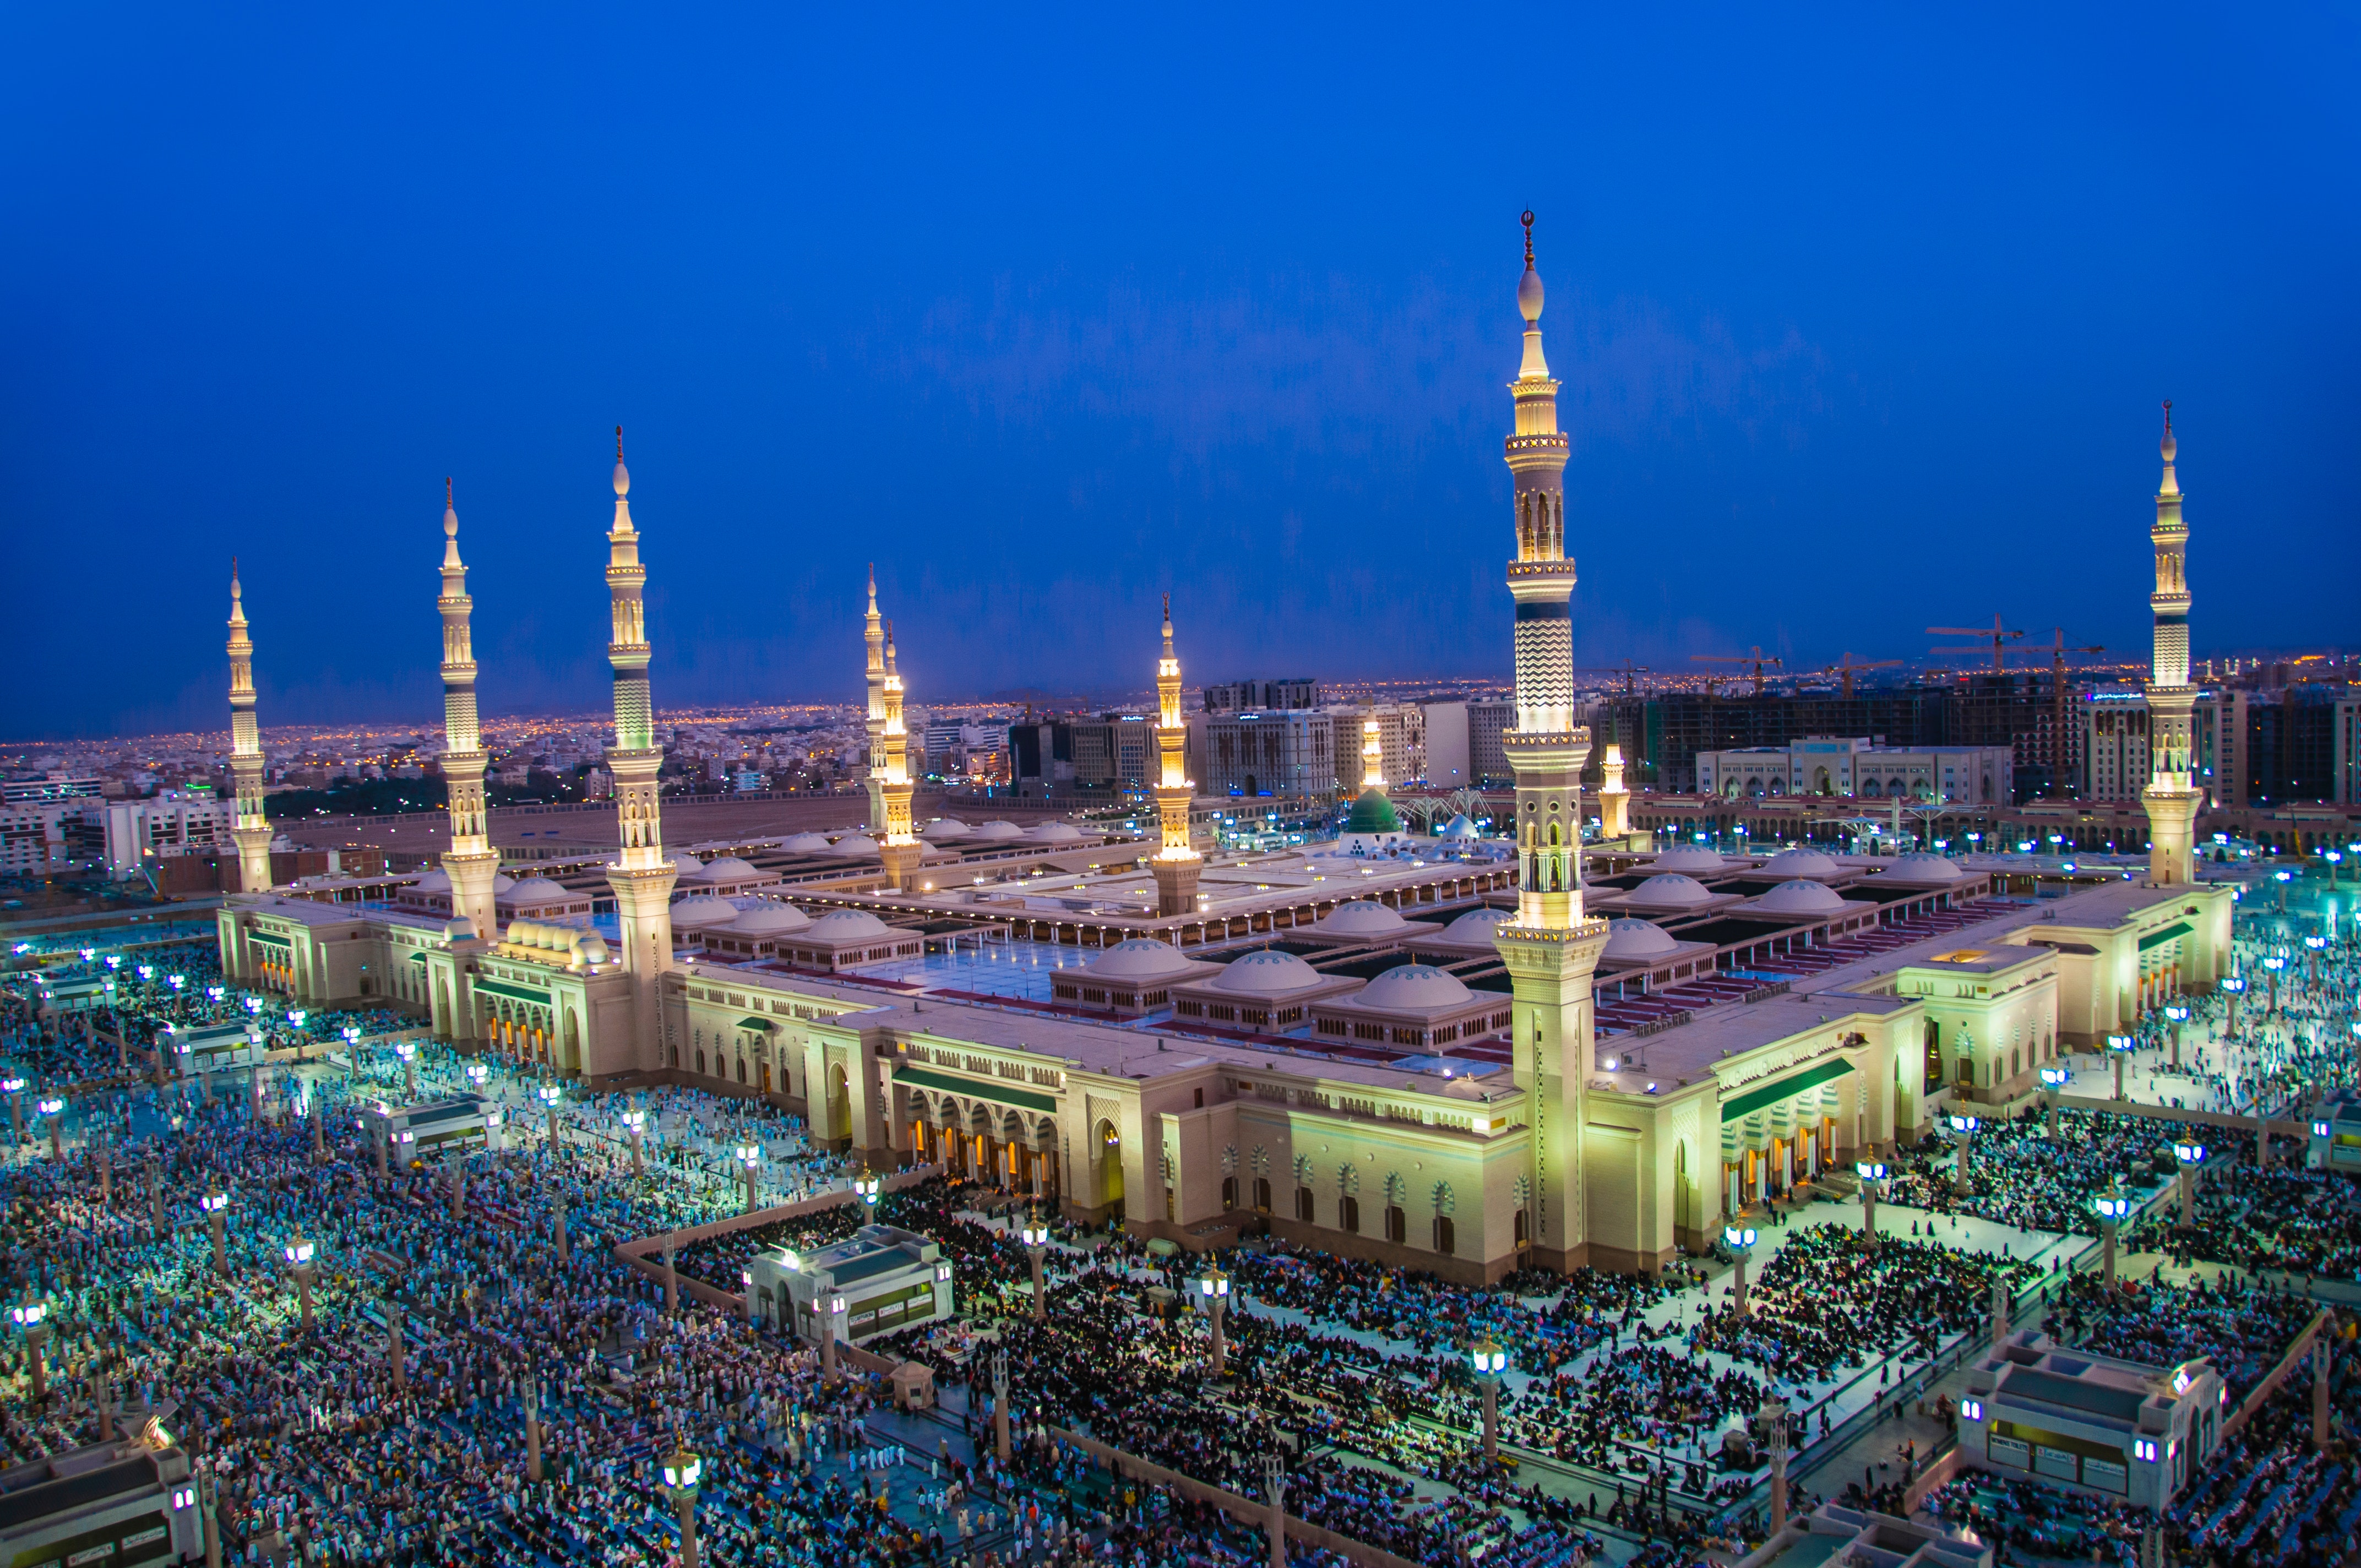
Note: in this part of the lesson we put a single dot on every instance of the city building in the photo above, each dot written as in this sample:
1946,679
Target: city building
1262,697
1860,766
2090,1423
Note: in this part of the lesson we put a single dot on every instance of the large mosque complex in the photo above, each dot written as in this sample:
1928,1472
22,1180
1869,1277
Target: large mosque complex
1456,1052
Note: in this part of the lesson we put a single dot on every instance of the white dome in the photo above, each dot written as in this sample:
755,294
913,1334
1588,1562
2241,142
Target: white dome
1924,866
848,922
1800,898
1477,925
729,868
944,827
534,888
1670,890
1362,918
1799,863
999,831
692,871
854,844
1637,940
435,881
804,844
1266,973
1415,987
1691,862
502,881
1142,958
701,910
1052,832
770,919
1458,828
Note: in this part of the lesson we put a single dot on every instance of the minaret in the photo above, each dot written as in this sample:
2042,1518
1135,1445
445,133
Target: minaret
471,862
874,634
252,830
901,849
641,876
1549,948
2171,802
1373,755
1177,862
1614,800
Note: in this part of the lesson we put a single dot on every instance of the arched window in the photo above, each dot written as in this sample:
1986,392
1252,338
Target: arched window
1396,1224
1303,1209
1229,1192
1524,1228
1262,1194
1444,1239
1348,1215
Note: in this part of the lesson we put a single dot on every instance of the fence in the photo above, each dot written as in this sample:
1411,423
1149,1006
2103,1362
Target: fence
635,1254
2279,1375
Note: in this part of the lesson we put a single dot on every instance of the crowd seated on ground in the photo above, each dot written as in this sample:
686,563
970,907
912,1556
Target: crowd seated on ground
2284,1219
2019,1175
2242,1327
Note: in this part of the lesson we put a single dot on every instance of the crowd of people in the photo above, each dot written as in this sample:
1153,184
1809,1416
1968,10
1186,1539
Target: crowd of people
2240,1325
2018,1175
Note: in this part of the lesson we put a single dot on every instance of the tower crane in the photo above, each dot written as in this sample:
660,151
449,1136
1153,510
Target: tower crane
1754,658
1999,640
1846,668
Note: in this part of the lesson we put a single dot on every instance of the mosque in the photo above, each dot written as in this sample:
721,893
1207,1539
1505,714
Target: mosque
1454,1053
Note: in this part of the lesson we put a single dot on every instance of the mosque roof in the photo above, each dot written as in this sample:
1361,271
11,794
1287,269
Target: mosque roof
944,827
1477,925
1414,988
539,887
1801,897
701,910
1631,938
997,829
1266,973
729,868
1670,890
839,923
1373,813
1799,863
770,919
1362,918
854,844
1142,958
1691,862
805,844
1922,867
1052,832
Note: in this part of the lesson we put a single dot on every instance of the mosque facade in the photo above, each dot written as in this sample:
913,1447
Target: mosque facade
1454,1054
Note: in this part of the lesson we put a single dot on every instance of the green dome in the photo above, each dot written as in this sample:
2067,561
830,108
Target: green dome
1373,813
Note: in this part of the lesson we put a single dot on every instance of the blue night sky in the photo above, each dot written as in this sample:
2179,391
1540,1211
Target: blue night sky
1862,323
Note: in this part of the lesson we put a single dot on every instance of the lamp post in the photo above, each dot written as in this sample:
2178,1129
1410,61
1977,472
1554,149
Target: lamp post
2313,946
2190,1157
672,1274
1489,1361
29,1317
477,1076
1964,1129
1872,1173
2274,964
867,1188
2232,986
1774,1412
1213,1290
2178,1015
550,1095
1036,1245
835,1309
1740,1239
393,1342
299,1264
1000,1403
634,1123
681,1471
749,1161
2113,1209
408,1052
14,1086
1274,1489
213,1203
54,1108
2120,1046
2053,1079
529,1390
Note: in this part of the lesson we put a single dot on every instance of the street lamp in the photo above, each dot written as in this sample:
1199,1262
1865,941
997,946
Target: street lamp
1872,1173
866,1188
1037,1242
55,1109
30,1315
408,1052
2113,1209
1000,1403
749,1161
1964,1129
1213,1287
2122,1046
2054,1078
2232,986
682,1473
1740,1239
550,1095
213,1203
2178,1015
2311,958
1773,1414
299,1264
1489,1361
14,1087
2275,963
2190,1157
477,1075
634,1123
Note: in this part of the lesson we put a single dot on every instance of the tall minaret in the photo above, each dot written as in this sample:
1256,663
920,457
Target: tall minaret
252,830
1373,754
901,849
1549,948
641,876
471,862
1614,799
873,635
1177,862
2171,802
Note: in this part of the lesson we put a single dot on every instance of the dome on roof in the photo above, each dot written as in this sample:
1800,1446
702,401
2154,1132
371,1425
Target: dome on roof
1691,861
1418,988
1361,917
1266,973
1799,863
1924,866
1637,940
729,868
999,831
1670,890
848,922
701,910
692,870
503,881
1476,925
854,844
1141,958
1052,832
536,888
1458,828
944,827
769,920
804,844
1800,898
1373,813
435,881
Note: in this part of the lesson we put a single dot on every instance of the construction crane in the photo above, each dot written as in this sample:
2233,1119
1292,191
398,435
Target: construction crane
1629,669
1999,640
1846,668
2058,652
1754,658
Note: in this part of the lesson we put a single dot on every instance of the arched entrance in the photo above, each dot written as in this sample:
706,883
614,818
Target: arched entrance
1110,1143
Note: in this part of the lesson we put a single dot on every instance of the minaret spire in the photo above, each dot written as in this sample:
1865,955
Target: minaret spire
1177,862
898,846
2170,798
251,828
470,862
1550,947
641,876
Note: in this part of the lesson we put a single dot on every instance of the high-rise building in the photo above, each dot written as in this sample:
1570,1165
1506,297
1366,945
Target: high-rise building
1251,697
